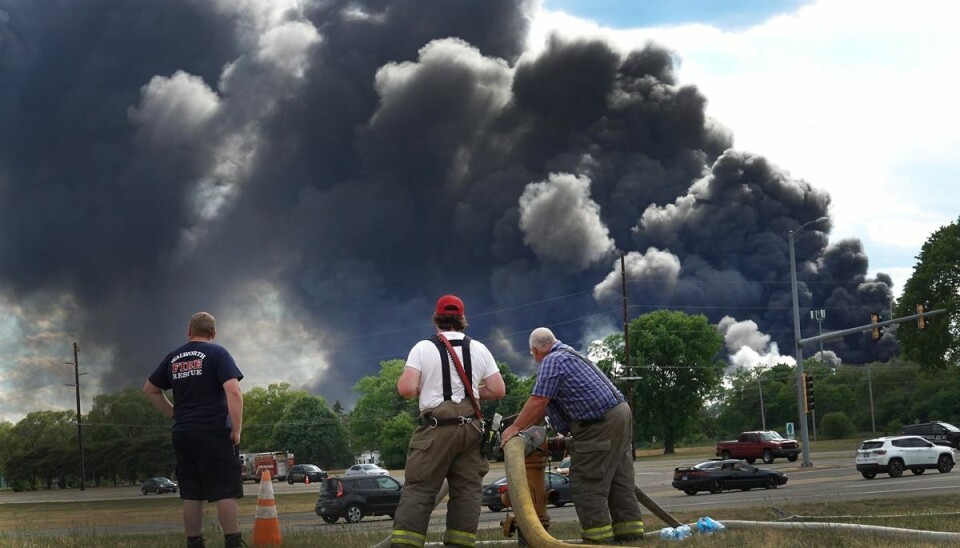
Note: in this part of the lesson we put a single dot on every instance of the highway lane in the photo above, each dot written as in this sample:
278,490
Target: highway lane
832,478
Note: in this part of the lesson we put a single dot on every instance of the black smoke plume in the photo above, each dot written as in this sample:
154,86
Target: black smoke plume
317,173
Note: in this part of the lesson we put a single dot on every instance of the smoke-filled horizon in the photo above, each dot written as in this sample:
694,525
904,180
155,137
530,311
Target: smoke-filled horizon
316,174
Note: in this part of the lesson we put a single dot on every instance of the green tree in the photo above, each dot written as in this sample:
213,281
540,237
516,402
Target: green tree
837,425
123,414
263,410
739,404
44,449
6,428
674,356
518,390
117,423
314,434
378,402
936,284
394,439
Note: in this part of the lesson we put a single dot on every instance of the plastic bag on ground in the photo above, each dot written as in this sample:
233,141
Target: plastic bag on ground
679,533
708,525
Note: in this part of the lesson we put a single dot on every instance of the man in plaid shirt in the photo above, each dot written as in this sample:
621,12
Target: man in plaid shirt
581,400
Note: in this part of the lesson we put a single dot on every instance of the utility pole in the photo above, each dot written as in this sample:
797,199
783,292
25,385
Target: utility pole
763,415
626,349
873,419
76,379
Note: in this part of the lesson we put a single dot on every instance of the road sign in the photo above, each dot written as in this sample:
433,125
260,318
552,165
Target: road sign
790,431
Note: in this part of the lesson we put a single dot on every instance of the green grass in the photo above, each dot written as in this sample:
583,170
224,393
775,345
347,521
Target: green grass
934,514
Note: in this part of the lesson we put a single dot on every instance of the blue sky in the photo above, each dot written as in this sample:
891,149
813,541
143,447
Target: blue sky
853,96
725,14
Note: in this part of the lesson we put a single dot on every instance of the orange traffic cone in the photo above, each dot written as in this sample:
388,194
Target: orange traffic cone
306,479
266,524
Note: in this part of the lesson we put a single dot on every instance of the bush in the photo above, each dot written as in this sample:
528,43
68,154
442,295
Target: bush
837,425
893,428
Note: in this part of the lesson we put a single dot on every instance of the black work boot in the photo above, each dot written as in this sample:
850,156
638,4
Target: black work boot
195,542
233,540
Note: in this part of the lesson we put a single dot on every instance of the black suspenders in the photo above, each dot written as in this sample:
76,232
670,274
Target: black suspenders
445,362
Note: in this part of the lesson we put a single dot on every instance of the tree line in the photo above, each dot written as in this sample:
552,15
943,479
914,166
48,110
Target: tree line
679,398
125,440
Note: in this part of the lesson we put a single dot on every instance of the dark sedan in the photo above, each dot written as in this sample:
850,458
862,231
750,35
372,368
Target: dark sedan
724,475
558,491
158,486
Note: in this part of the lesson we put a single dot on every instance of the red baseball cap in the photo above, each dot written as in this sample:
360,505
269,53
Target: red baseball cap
450,305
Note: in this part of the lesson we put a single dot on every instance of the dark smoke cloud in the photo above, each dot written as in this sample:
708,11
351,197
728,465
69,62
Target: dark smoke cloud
317,173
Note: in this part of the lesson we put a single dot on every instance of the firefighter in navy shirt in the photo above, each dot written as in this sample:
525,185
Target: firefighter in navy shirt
208,416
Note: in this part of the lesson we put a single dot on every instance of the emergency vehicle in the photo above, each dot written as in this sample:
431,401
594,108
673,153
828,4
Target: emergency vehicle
278,463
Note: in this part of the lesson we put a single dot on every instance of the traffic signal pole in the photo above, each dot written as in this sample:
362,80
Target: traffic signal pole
870,326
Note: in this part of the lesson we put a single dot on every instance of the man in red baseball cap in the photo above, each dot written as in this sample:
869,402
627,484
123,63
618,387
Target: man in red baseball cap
450,305
447,443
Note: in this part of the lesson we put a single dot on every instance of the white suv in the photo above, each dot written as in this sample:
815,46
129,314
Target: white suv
894,454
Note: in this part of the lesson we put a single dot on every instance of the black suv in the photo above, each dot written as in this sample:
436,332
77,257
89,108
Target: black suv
941,433
300,473
352,497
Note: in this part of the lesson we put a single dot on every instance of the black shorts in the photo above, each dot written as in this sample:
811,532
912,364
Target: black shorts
208,465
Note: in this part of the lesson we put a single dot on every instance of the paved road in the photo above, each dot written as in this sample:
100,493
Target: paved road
832,478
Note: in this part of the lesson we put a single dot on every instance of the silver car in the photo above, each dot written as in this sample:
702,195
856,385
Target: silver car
366,470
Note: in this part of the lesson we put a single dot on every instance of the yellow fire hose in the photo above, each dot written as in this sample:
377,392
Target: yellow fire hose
533,531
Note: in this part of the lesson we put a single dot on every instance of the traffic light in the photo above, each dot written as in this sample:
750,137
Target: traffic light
921,323
808,392
875,319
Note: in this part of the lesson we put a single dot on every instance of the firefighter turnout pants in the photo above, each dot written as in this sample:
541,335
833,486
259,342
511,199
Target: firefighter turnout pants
436,453
602,479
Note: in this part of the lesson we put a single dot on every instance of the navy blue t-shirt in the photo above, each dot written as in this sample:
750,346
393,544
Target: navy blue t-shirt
196,372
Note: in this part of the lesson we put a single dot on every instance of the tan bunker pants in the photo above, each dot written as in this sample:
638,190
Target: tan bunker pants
434,454
602,479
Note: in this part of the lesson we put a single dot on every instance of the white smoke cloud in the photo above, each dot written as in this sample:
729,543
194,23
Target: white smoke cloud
173,110
493,75
660,269
260,327
562,224
287,45
748,347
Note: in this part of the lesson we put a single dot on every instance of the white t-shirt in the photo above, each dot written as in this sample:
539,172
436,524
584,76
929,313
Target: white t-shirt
425,358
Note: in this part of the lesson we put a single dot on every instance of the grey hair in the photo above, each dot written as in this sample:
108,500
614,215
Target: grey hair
542,338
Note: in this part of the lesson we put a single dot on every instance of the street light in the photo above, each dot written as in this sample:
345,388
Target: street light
804,435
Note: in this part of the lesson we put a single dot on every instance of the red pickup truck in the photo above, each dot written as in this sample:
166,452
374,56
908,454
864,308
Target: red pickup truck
767,446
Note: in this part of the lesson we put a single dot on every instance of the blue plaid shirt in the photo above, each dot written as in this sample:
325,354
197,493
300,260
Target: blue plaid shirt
576,390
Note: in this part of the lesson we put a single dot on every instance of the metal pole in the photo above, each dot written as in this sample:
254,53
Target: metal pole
763,415
873,419
626,350
76,378
818,315
804,435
